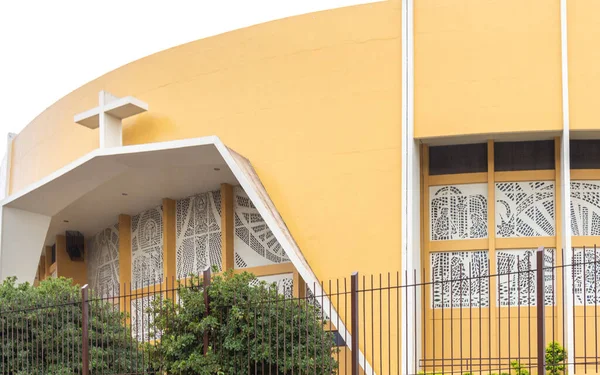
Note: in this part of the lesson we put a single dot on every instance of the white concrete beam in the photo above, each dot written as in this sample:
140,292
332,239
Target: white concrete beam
22,240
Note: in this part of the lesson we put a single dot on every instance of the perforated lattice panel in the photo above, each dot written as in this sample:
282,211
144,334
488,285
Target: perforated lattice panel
146,248
254,243
103,261
458,212
457,279
198,221
525,209
517,280
142,320
283,282
585,208
586,276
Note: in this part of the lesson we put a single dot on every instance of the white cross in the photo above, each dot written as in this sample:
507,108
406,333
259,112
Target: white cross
109,117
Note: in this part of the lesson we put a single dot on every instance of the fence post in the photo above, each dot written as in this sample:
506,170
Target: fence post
354,321
540,303
84,330
206,284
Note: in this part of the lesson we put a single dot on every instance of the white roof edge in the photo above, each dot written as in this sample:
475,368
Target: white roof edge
146,147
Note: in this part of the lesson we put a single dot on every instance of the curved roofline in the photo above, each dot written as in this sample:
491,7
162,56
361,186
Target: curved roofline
182,45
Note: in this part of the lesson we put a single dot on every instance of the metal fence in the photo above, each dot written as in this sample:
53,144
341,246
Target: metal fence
376,324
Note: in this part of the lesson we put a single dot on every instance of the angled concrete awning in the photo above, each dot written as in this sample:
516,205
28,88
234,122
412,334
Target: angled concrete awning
89,194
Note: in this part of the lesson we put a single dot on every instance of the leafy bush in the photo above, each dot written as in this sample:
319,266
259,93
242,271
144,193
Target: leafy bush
40,331
519,369
556,356
250,328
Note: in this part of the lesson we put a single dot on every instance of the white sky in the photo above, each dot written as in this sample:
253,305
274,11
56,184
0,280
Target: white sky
50,48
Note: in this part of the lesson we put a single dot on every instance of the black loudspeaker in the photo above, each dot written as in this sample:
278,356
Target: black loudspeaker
75,245
53,254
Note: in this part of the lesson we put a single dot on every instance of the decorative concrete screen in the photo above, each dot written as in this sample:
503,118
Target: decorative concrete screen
103,261
146,248
141,319
254,243
283,282
198,221
458,279
585,208
517,281
586,276
458,212
525,209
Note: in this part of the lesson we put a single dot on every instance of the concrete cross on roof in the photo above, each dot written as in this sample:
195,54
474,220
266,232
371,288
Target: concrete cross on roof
109,117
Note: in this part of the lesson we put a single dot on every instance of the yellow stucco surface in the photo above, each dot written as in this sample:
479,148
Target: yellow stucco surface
313,101
486,66
584,56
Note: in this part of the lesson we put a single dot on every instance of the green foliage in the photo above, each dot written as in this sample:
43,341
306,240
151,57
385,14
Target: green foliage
519,370
250,328
556,356
40,331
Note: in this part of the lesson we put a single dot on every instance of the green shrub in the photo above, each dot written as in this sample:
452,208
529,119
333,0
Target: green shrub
36,340
555,358
519,370
246,333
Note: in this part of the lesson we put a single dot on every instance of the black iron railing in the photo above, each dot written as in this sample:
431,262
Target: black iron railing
463,322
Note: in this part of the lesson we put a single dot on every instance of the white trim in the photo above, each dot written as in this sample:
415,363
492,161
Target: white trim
566,189
147,147
8,165
410,252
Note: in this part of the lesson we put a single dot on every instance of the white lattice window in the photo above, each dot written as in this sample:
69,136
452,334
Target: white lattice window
142,320
146,248
254,242
525,209
458,212
585,208
517,280
103,262
586,275
460,279
198,222
283,282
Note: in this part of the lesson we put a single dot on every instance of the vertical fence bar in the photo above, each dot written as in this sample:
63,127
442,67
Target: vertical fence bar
206,284
84,331
541,326
354,317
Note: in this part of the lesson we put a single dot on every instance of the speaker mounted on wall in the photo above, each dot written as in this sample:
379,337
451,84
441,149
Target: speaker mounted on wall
75,245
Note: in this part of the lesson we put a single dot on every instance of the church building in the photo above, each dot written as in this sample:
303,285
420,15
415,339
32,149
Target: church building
411,137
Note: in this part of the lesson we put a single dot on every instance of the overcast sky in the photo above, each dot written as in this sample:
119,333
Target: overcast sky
50,48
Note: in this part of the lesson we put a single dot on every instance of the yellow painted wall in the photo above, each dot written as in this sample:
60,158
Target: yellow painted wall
75,270
313,101
487,66
584,81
